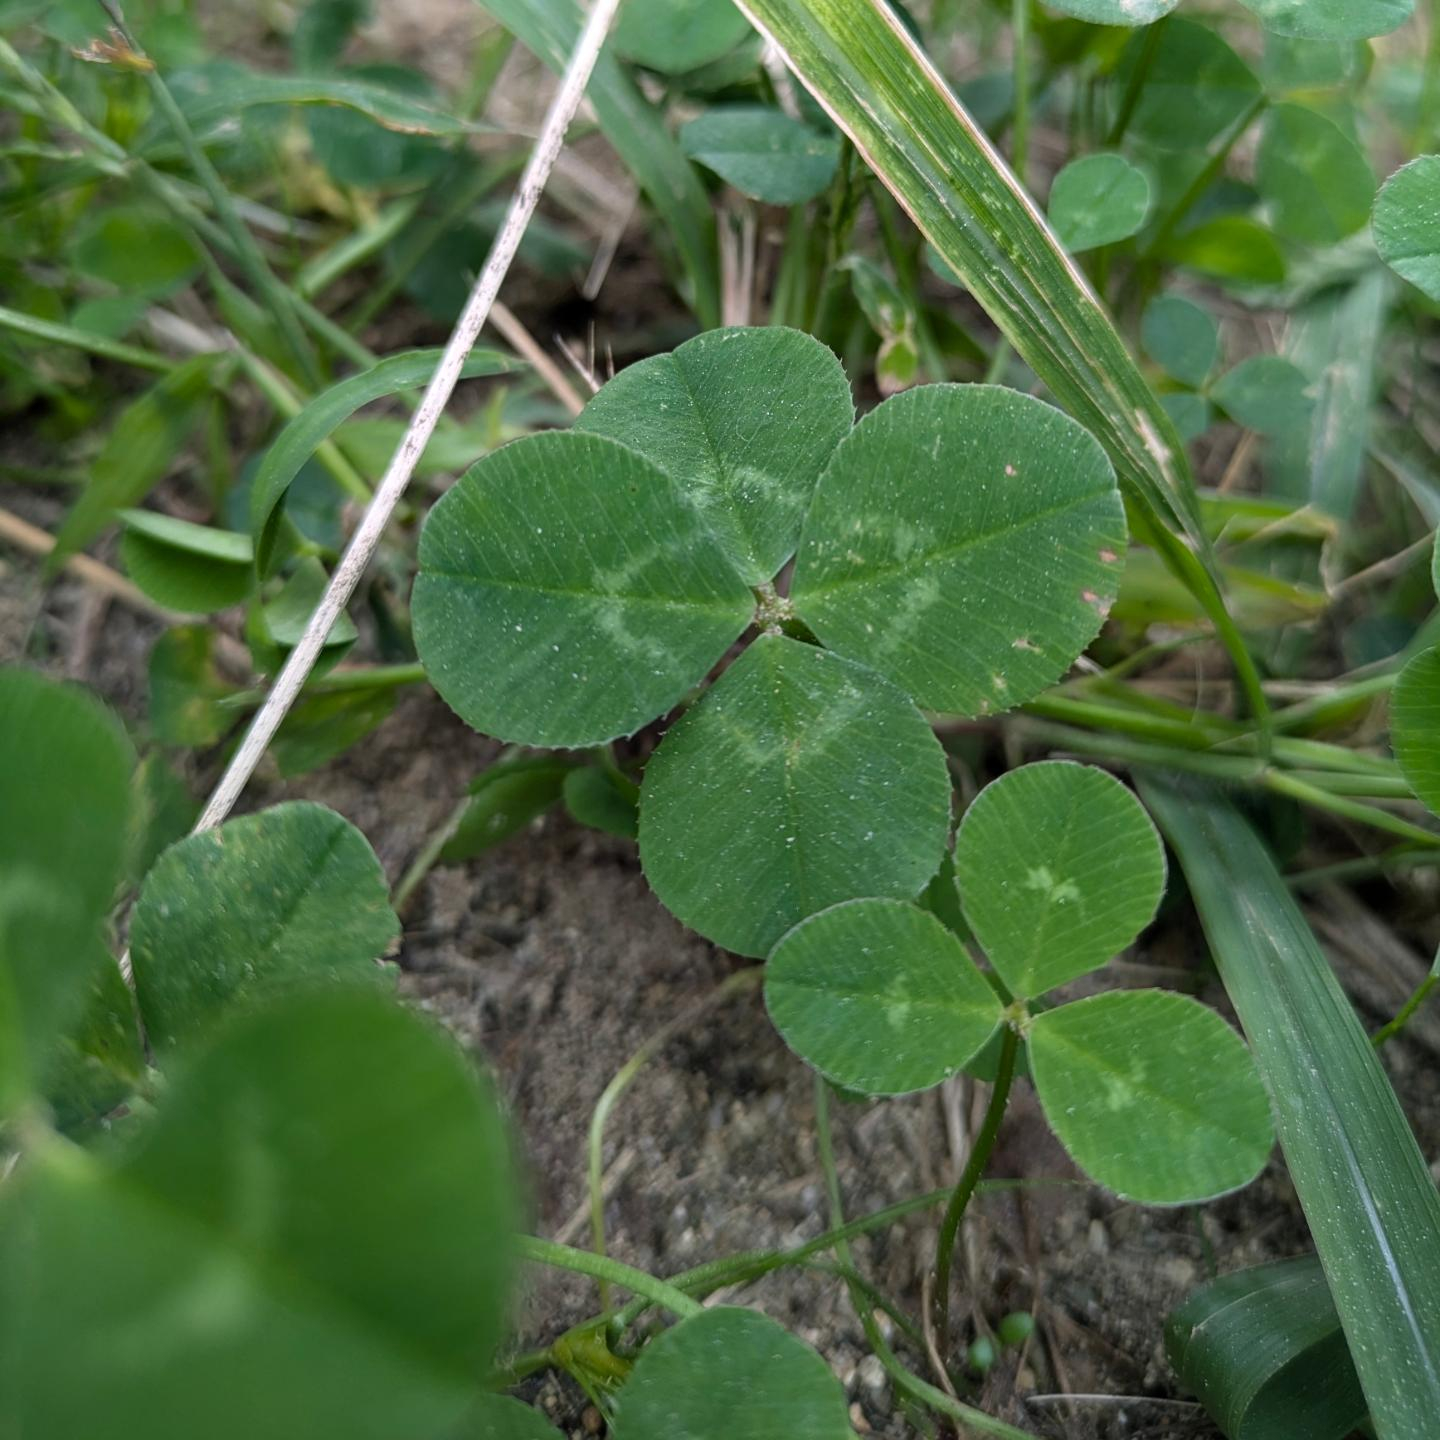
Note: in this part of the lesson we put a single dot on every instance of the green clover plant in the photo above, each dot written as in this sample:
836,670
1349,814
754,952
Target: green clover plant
954,551
1058,869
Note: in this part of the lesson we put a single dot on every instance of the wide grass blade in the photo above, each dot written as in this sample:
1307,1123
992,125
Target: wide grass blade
1264,1350
635,128
1366,1191
880,88
310,429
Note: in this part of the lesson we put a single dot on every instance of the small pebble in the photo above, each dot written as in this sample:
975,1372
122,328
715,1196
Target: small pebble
872,1374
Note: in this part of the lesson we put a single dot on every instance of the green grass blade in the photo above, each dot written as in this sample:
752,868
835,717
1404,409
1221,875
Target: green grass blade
1370,1199
1264,1351
635,128
867,71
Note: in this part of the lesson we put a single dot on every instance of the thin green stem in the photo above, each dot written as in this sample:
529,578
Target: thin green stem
1205,178
1338,705
1215,734
927,1394
1000,357
908,282
1422,991
1200,581
752,1265
318,274
52,333
741,980
1239,768
1373,787
426,857
1286,784
1365,867
1020,69
1138,752
608,1271
975,1164
904,1380
1136,84
343,680
267,284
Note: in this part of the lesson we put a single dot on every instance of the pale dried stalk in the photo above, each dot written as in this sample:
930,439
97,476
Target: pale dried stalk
102,578
523,343
467,331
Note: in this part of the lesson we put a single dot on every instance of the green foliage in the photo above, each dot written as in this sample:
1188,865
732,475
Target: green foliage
1415,725
1229,248
1059,870
861,64
503,800
65,793
298,441
99,1062
1316,180
275,627
1331,19
1407,230
1115,12
186,567
245,1251
763,153
1264,1350
976,606
602,599
735,1364
497,1417
892,317
879,997
673,38
637,131
1365,1188
1194,85
185,689
291,896
603,800
1097,200
275,1195
382,106
1267,394
1153,1095
799,781
1182,337
323,726
139,451
137,249
376,148
323,30
743,421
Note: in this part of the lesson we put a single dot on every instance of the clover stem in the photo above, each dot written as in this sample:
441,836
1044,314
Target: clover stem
974,1168
904,1381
